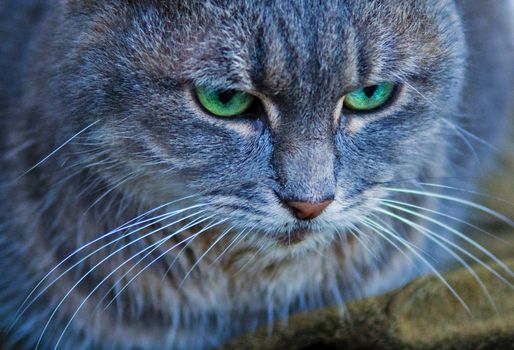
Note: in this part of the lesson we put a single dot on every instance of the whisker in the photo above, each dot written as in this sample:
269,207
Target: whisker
358,237
109,191
419,256
151,211
481,194
458,131
188,239
436,238
120,228
252,258
104,280
159,244
370,224
482,208
414,89
447,216
474,137
178,255
94,268
462,132
232,243
420,250
24,306
458,234
221,236
57,149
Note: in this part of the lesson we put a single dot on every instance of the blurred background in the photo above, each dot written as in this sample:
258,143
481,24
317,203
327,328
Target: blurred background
499,185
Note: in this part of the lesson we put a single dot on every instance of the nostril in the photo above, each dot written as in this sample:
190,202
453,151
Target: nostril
306,210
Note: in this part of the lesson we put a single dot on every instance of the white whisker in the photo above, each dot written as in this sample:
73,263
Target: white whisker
358,236
58,149
94,268
458,234
188,239
436,238
467,191
419,256
232,243
102,282
155,247
24,307
456,200
447,216
125,226
221,236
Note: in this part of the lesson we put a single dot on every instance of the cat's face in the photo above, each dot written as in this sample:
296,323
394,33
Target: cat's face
139,74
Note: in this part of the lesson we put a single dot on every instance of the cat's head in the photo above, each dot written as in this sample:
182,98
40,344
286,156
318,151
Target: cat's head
289,117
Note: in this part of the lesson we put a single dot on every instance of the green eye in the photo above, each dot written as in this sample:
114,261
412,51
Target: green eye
224,103
369,98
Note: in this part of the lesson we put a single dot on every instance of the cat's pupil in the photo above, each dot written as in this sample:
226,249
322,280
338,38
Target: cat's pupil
226,96
370,91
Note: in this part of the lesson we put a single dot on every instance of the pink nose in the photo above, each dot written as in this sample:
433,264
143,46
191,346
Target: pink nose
306,210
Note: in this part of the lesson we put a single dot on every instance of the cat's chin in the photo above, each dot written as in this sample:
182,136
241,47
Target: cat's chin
302,239
293,237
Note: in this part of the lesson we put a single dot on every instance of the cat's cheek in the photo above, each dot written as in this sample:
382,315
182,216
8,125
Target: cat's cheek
354,125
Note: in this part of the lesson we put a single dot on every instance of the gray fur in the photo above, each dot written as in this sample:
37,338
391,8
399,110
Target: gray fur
121,72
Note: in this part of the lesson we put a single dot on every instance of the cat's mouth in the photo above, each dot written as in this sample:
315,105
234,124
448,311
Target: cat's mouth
293,237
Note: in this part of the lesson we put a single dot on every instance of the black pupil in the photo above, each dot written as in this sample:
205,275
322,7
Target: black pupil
370,91
226,96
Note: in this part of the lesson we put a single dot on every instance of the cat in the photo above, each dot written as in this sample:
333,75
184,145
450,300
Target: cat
177,173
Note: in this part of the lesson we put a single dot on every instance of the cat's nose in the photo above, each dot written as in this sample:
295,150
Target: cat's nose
306,210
